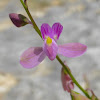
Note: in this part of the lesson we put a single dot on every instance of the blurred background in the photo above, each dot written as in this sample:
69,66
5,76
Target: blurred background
81,22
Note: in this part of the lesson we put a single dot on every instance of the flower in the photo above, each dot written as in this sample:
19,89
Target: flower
35,55
67,82
19,19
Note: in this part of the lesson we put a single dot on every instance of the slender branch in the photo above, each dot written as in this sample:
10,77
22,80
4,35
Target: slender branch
25,2
72,77
71,97
30,16
57,57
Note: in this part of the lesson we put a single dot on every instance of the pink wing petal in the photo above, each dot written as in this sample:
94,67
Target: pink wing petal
51,51
57,29
32,57
72,49
46,31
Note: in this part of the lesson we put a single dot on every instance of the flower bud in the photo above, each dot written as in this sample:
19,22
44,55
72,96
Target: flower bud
67,82
18,19
77,96
25,1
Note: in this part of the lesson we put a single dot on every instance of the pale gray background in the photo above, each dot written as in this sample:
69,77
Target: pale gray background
81,22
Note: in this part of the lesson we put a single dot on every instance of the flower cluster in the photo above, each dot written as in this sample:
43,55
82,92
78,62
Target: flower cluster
34,55
50,35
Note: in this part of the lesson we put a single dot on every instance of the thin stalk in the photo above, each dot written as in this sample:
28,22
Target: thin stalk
57,57
30,16
72,77
71,97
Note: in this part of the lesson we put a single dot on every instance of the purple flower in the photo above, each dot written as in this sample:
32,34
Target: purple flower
35,55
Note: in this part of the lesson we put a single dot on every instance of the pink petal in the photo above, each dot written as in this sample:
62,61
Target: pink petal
72,49
57,29
51,50
46,31
66,81
32,57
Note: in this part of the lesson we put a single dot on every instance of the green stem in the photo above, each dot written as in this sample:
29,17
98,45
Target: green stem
30,16
57,57
71,97
72,77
